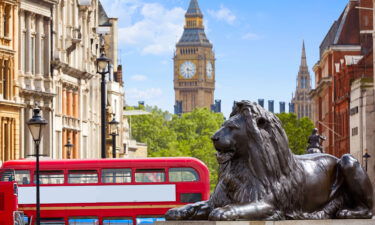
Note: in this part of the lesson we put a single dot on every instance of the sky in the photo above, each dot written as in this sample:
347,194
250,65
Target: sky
257,45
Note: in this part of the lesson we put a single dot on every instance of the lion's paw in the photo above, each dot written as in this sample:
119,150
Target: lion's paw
226,213
176,214
354,214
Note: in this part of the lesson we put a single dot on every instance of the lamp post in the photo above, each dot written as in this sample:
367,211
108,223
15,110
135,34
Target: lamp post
103,68
114,132
36,125
366,156
69,147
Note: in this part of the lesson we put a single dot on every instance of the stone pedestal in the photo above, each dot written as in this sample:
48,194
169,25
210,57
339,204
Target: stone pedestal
285,222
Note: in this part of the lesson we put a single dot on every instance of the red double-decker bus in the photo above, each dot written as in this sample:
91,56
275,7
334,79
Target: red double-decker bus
9,214
109,191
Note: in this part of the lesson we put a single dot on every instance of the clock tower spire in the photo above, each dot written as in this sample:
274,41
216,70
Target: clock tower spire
194,64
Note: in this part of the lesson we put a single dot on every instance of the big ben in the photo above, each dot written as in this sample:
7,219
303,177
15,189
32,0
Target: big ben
194,64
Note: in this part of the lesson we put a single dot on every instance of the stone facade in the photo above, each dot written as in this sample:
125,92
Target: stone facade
362,123
345,55
77,111
35,78
194,64
77,85
10,104
301,100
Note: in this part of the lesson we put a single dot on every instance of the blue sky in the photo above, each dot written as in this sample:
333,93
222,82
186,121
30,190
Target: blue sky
257,45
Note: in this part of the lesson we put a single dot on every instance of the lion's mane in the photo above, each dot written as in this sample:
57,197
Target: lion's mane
270,171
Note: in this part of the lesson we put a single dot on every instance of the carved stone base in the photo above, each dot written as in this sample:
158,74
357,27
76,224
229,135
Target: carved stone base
285,222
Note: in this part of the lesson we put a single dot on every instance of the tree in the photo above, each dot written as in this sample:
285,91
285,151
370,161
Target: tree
297,130
188,135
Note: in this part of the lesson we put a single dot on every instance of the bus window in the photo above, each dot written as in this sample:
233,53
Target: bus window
116,175
22,176
50,177
183,175
82,177
117,221
190,197
149,175
52,221
149,219
83,221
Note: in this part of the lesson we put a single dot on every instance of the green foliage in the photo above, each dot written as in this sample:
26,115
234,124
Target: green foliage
188,135
297,130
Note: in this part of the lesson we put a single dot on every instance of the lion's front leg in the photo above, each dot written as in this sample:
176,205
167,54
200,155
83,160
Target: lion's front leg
250,211
196,211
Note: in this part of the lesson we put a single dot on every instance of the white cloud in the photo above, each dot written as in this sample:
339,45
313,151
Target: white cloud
223,14
146,94
138,77
251,36
157,29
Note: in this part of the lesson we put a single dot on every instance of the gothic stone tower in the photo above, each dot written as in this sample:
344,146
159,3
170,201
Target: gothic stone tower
194,64
301,100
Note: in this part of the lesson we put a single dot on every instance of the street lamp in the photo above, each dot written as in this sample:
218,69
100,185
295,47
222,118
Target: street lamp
36,125
69,147
103,68
114,132
366,156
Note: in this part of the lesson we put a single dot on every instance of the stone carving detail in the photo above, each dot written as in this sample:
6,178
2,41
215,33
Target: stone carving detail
260,178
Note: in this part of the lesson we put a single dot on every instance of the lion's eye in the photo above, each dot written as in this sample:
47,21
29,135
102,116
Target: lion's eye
233,126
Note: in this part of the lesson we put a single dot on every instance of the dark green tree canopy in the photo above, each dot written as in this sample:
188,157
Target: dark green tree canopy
297,130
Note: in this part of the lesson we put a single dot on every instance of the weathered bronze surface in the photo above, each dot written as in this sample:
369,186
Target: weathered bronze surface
315,142
260,178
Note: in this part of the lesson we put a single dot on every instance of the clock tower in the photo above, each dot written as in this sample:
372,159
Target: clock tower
194,65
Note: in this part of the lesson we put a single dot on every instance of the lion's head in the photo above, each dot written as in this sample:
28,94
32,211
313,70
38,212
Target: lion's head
253,140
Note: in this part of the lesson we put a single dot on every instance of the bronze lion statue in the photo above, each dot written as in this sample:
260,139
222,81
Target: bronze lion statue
260,178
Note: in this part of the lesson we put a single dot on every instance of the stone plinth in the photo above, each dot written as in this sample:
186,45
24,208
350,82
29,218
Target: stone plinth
285,222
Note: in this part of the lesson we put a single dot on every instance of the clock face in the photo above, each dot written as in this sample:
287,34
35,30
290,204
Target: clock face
187,69
209,69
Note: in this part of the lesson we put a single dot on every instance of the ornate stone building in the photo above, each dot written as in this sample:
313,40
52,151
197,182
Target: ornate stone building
194,64
301,100
77,85
35,77
10,104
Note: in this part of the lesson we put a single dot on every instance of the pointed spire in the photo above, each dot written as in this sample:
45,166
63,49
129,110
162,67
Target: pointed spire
194,9
303,57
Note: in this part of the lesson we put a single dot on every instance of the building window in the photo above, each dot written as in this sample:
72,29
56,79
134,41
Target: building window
22,52
5,79
42,56
6,20
355,131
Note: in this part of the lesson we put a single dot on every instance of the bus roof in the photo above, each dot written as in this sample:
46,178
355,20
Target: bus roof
106,163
